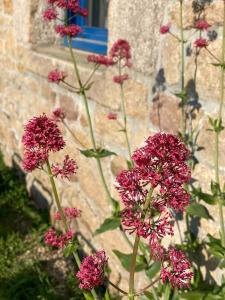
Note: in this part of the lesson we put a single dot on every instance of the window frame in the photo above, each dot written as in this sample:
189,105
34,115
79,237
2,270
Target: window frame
91,39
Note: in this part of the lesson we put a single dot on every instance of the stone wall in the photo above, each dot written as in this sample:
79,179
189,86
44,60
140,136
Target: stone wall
29,49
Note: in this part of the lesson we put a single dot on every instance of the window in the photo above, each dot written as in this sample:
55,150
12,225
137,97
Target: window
94,36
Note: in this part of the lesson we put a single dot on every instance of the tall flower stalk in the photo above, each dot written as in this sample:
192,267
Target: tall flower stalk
217,132
92,136
182,43
63,218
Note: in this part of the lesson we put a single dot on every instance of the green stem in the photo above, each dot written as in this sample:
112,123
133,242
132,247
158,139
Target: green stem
99,166
62,215
217,137
125,122
183,115
135,251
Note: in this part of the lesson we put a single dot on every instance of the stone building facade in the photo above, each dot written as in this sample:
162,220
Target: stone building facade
29,49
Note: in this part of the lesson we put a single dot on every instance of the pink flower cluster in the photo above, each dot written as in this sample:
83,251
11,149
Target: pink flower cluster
53,239
201,43
120,78
121,52
91,273
41,136
70,30
58,115
112,116
161,167
202,25
164,29
100,60
64,29
68,168
69,212
176,269
56,76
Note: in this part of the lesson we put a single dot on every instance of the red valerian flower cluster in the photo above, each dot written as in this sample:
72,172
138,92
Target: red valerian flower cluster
164,29
69,212
159,174
56,76
176,269
68,168
53,239
202,25
112,116
91,273
100,60
58,115
71,30
64,29
120,78
41,136
201,43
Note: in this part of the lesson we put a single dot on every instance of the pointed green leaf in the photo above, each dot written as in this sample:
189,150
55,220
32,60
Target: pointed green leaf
153,270
100,153
198,210
70,248
108,224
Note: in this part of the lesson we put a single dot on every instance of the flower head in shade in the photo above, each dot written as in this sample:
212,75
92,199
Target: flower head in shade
50,14
112,116
91,273
56,76
176,269
42,134
69,212
100,60
69,30
68,168
164,29
202,25
201,43
58,115
52,238
121,78
34,159
121,51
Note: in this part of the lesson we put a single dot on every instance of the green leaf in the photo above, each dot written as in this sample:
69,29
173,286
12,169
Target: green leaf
215,188
125,260
195,295
108,224
196,209
116,207
222,264
99,153
153,270
215,247
70,248
208,198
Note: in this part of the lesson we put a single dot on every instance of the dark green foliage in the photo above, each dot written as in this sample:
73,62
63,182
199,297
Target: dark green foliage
22,275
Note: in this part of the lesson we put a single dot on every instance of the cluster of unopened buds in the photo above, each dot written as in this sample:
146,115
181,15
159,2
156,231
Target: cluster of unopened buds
149,191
